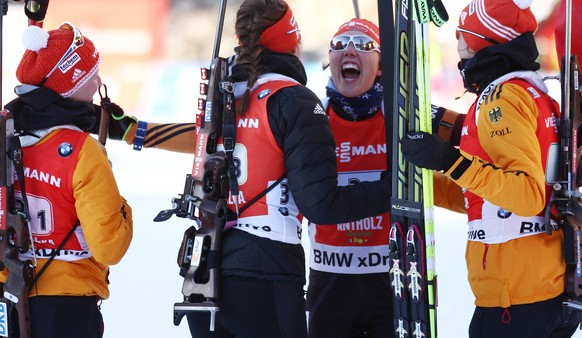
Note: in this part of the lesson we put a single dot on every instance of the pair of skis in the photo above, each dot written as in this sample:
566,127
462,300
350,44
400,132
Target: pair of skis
411,236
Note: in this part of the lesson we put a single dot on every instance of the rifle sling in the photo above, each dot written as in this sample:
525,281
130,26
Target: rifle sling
15,155
263,193
53,255
229,132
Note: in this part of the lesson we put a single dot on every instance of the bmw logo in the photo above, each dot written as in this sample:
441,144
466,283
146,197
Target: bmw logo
284,211
263,93
501,213
65,149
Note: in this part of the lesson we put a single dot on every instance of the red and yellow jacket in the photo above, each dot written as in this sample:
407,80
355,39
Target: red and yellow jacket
68,178
508,138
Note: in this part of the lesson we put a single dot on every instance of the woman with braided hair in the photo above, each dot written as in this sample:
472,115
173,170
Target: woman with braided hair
284,141
286,169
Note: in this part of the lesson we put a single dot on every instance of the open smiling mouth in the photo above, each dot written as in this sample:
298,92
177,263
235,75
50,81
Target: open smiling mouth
350,71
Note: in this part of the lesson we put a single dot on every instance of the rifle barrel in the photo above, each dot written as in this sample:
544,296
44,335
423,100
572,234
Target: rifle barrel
356,9
566,58
217,38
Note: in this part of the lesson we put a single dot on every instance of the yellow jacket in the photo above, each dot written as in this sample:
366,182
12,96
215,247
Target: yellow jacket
105,220
510,127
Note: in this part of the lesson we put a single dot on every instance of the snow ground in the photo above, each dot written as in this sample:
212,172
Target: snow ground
146,284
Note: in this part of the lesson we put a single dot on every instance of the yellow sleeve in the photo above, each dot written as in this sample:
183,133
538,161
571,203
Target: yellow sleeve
105,216
507,125
178,137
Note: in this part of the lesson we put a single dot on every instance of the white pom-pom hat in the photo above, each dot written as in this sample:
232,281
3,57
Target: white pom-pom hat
497,20
34,38
43,52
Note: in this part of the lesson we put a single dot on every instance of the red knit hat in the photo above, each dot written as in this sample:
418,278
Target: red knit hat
361,25
498,20
283,36
45,56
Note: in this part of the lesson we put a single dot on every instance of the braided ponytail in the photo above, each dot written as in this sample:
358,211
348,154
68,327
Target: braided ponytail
253,17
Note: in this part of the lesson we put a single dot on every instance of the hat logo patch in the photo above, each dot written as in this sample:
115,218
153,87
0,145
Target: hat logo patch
77,74
65,149
463,16
69,62
292,22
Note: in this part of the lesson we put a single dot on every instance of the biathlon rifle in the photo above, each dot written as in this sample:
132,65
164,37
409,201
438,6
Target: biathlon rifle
14,219
565,207
14,238
206,189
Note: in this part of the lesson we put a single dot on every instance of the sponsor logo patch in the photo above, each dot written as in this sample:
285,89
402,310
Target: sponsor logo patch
502,213
3,320
495,115
263,93
78,74
69,62
65,149
318,110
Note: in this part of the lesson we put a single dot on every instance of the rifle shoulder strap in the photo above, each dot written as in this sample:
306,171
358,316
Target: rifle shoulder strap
263,193
229,131
15,156
53,255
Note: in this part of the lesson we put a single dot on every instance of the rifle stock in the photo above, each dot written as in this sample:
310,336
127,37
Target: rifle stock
204,201
205,191
569,205
565,207
14,238
14,228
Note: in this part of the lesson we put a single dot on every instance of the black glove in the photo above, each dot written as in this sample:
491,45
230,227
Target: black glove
428,151
119,123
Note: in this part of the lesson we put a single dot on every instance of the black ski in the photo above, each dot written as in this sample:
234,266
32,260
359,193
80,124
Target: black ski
566,197
411,237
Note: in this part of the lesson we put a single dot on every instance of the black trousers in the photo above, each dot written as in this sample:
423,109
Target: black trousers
547,319
65,317
251,308
349,306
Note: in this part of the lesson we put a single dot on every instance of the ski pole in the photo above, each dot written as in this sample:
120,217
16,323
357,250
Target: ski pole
356,9
566,59
3,11
35,11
